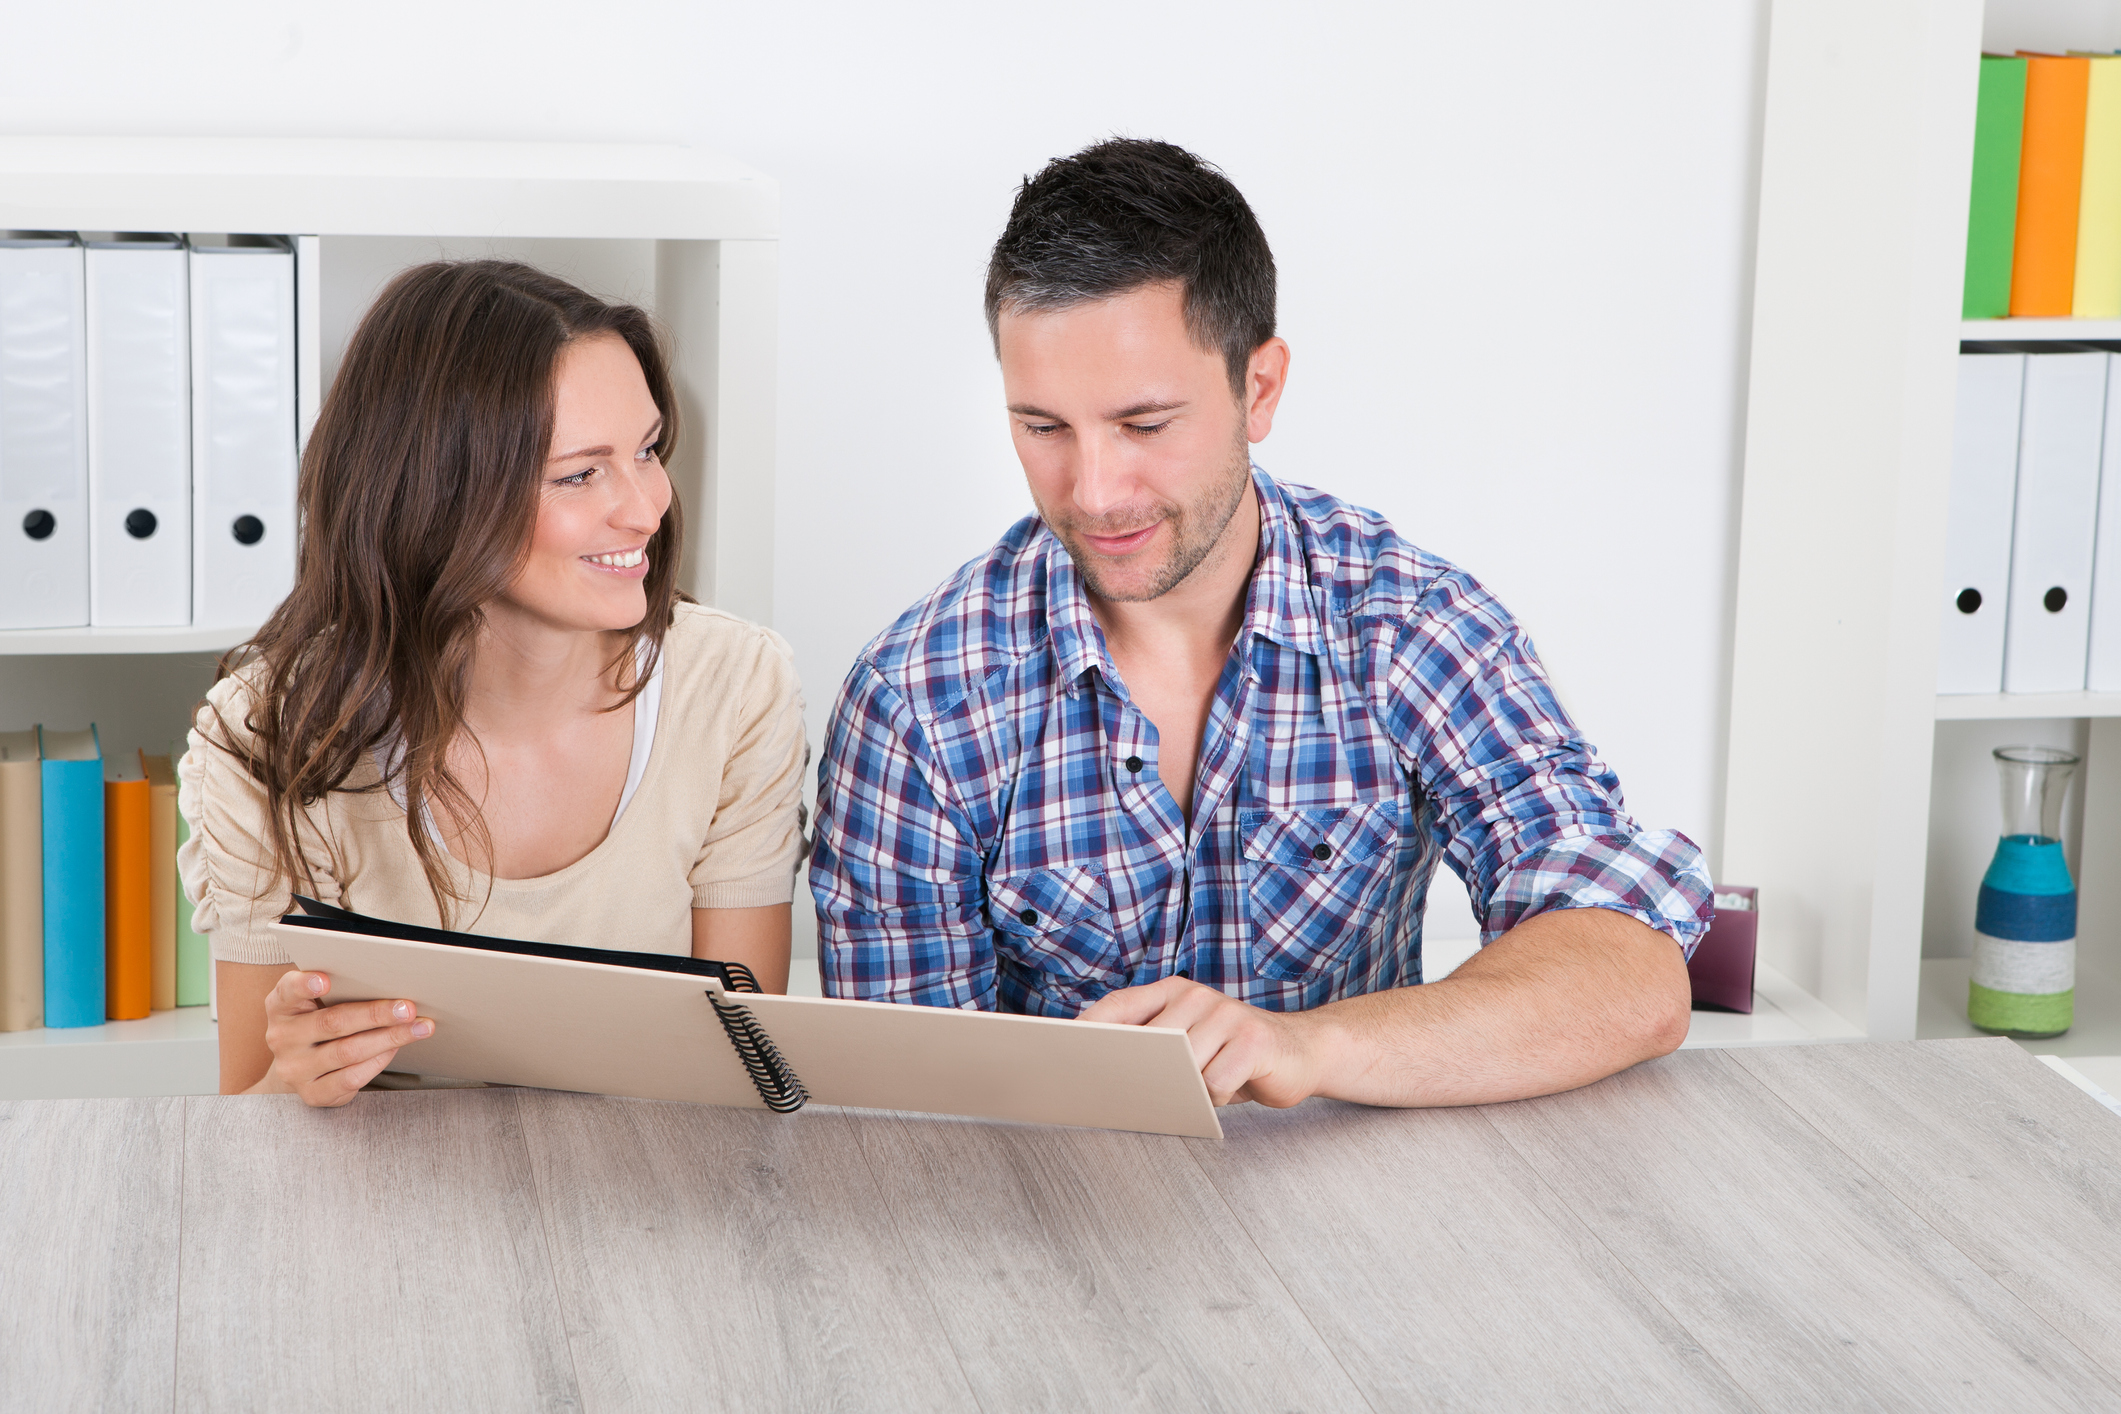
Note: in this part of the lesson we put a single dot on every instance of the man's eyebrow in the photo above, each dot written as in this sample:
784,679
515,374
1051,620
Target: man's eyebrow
1138,410
655,430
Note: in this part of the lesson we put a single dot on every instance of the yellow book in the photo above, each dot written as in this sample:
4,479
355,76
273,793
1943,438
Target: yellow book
2098,286
162,881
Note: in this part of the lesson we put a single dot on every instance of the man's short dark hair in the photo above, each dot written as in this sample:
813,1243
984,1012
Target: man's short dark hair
1129,212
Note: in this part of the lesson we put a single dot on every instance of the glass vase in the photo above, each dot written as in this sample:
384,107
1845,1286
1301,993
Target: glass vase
2025,927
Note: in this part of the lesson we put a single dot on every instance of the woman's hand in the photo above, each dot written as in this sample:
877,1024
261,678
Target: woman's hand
324,1053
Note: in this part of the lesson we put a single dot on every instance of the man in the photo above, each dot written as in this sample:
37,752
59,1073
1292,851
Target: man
1185,748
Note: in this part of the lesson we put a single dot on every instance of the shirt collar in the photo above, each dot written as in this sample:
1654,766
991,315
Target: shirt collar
1278,602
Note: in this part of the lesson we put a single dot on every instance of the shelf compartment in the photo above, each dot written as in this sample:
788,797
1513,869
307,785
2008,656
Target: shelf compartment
1941,1011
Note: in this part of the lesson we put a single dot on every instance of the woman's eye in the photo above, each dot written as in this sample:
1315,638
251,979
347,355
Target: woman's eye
646,454
580,478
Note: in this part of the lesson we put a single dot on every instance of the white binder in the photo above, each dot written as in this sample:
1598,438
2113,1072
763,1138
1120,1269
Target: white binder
1977,541
139,430
243,427
2103,669
43,433
2057,508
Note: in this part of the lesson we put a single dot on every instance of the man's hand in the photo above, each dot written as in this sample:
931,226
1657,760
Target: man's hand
1244,1052
1564,998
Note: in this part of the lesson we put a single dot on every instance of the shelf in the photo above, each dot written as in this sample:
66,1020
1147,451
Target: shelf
1941,1010
1784,1014
30,641
2009,706
350,187
168,1053
2017,331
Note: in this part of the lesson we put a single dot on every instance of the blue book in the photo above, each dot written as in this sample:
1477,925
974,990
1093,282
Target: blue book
73,878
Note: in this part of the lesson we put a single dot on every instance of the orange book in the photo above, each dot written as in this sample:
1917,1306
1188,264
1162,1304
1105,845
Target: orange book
128,914
2050,182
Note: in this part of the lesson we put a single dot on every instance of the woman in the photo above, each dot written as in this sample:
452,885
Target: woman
486,705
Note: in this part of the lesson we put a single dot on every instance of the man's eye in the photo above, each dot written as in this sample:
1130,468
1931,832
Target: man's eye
1149,429
1042,429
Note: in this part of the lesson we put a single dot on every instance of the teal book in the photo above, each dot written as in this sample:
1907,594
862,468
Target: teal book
73,878
1992,215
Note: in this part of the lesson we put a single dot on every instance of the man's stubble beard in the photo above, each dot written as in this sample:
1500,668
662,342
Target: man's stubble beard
1196,529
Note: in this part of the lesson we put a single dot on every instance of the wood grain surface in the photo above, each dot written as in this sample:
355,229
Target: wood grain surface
1796,1269
1493,1294
89,1219
388,1254
1078,1269
1863,1227
730,1259
2019,1168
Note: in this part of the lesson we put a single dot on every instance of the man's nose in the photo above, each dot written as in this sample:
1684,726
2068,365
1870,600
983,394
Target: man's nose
1102,481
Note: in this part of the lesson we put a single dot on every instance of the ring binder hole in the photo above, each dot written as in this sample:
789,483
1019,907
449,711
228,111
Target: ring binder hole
248,530
140,523
1968,601
38,525
2055,598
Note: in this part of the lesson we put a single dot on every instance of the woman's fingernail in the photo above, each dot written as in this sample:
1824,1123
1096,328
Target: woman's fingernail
316,984
422,1029
402,1011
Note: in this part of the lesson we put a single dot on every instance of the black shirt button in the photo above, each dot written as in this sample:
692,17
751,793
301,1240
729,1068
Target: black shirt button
1134,763
1029,915
1321,851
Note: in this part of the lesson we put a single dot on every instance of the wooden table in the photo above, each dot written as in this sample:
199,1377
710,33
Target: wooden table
1917,1226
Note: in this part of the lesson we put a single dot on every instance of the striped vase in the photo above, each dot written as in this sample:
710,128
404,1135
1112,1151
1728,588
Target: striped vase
2025,941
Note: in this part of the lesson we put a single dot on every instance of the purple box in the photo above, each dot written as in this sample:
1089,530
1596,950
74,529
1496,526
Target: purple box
1722,966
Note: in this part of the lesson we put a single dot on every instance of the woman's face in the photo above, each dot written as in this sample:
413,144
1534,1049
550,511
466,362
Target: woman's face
604,494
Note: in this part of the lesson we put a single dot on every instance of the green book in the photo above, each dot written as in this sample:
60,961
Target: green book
1992,216
192,959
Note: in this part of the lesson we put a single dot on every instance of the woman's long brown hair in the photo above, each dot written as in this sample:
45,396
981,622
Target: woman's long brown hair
419,490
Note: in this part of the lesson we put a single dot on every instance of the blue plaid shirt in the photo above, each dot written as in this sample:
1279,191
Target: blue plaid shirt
992,831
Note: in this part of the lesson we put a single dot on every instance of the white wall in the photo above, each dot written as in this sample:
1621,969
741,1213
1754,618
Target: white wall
1514,245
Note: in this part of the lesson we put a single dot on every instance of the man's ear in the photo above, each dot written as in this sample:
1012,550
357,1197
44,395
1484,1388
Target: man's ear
1266,374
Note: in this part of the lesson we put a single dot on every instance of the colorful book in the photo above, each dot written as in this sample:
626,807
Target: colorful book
194,963
2050,186
2098,280
128,927
71,777
21,882
1992,213
161,879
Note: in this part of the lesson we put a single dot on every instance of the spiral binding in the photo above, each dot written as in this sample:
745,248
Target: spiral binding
776,1081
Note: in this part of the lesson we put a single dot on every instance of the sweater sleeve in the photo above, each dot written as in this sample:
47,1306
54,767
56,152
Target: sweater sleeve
755,844
226,865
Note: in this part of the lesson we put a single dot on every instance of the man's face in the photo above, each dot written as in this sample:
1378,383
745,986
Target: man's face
1135,446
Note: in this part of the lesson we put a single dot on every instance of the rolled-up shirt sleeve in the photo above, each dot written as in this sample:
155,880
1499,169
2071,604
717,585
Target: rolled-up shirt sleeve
1527,815
896,879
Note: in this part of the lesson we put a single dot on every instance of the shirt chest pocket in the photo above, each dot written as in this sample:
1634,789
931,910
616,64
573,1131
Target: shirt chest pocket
1056,920
1315,881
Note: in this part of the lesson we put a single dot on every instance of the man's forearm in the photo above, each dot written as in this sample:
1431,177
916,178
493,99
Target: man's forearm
1562,999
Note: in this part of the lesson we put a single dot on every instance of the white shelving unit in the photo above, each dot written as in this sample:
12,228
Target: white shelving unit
1864,186
690,235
